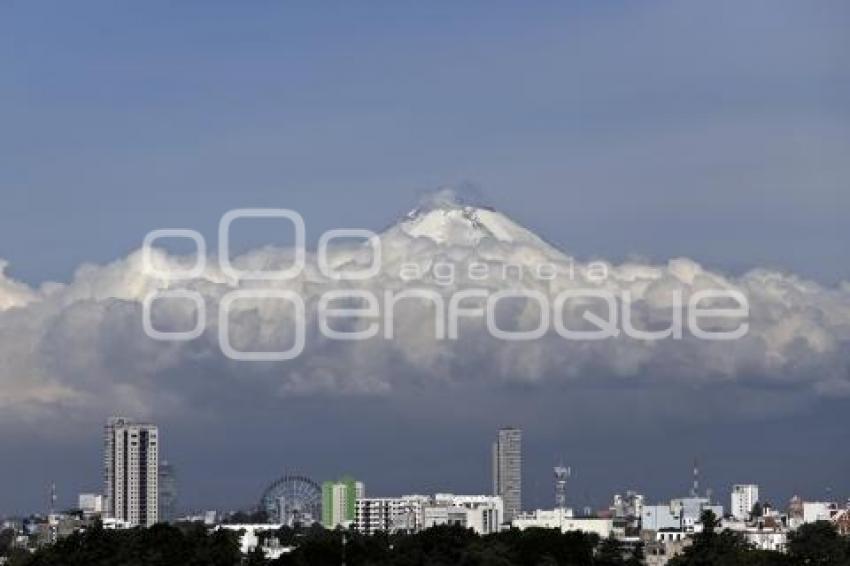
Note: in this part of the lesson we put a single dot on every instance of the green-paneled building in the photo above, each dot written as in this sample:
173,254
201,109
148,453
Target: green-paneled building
338,501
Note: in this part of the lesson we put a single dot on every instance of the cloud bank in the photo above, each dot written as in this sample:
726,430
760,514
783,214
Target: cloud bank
77,346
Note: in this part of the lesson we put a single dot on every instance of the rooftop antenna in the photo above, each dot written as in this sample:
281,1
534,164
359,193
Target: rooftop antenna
52,506
695,487
561,475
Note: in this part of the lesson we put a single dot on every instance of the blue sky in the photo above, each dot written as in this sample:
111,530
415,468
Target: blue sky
719,131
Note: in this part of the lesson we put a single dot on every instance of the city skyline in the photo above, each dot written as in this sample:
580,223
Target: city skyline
140,491
125,441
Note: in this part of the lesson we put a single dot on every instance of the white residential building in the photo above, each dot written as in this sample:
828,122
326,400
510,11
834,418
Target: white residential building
389,514
412,513
131,471
744,497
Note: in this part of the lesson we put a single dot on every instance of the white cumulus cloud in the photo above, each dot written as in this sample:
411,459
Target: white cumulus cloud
80,345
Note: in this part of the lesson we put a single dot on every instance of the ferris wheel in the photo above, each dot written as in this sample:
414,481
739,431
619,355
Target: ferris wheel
292,500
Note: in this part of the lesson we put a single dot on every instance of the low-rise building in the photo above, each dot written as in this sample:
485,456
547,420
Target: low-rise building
659,553
841,520
767,539
766,533
563,520
693,507
814,511
680,514
250,537
481,513
91,503
659,517
673,535
111,523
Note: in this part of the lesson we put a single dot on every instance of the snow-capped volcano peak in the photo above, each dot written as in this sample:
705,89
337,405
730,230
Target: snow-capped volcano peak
447,220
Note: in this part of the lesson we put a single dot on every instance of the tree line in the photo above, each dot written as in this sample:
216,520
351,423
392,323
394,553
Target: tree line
195,545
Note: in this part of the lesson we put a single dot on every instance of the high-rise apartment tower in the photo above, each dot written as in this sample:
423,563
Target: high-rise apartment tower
131,470
507,470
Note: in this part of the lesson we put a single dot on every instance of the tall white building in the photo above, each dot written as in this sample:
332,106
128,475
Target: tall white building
507,470
744,497
131,471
